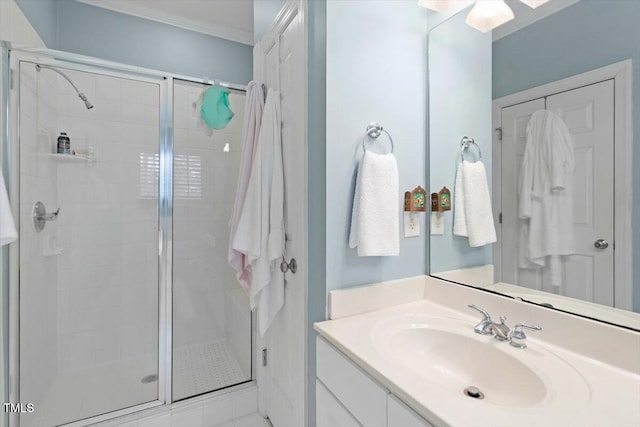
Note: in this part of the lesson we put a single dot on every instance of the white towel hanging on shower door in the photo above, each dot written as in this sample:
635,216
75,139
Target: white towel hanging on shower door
251,129
260,232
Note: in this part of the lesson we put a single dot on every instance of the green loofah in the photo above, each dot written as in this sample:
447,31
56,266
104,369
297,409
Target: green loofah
215,109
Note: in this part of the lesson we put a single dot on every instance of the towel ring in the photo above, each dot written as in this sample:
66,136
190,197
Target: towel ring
374,130
465,143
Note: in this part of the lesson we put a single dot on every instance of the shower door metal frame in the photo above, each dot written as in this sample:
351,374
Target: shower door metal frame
165,197
5,167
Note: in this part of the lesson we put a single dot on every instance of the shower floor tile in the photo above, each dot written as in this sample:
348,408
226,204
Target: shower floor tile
75,395
79,394
201,368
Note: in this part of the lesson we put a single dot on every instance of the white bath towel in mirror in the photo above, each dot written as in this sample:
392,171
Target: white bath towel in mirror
473,215
545,203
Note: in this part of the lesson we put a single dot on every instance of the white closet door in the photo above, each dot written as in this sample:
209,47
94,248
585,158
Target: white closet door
514,139
588,113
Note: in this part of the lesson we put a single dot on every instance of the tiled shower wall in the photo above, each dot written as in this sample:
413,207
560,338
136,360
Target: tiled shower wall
108,225
209,305
89,280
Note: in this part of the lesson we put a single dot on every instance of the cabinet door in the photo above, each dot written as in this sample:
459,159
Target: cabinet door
359,393
330,412
400,415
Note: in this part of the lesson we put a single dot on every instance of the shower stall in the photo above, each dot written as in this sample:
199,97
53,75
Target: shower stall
118,294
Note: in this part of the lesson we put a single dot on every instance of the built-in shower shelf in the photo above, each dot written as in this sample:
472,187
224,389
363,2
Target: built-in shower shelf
74,157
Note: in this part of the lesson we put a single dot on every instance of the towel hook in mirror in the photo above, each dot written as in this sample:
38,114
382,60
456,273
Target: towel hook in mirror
465,143
374,130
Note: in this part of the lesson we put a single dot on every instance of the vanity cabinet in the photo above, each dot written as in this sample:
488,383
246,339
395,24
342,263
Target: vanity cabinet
347,396
330,412
400,415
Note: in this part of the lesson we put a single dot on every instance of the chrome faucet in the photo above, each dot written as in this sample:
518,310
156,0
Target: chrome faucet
501,331
482,328
517,337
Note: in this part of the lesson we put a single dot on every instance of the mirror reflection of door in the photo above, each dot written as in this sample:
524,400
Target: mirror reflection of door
567,59
588,112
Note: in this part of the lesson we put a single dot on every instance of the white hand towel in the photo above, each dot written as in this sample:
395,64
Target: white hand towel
477,204
459,212
260,232
252,119
8,231
375,225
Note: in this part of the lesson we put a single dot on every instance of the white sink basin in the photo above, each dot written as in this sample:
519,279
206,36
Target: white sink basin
457,362
447,353
426,354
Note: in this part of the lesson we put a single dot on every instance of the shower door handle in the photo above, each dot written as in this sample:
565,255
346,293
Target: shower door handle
290,266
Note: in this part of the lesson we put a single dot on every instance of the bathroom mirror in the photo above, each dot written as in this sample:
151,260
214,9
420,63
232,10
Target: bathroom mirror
573,67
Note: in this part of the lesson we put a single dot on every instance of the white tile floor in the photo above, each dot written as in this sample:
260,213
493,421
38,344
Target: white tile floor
232,409
251,420
199,368
205,367
75,395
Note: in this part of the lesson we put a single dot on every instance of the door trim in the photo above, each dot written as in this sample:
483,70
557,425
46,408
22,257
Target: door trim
621,73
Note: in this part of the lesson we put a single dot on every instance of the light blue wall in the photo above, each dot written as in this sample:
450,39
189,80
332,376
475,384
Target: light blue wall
72,26
264,12
316,168
376,71
94,31
580,38
459,105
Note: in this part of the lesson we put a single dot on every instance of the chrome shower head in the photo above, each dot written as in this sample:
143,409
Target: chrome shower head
82,96
88,104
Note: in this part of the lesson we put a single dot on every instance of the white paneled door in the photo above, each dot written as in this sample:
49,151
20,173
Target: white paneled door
588,112
279,62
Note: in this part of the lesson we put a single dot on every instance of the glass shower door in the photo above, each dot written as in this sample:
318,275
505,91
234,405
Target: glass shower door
211,316
88,287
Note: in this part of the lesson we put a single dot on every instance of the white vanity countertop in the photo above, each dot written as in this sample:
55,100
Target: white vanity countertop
579,391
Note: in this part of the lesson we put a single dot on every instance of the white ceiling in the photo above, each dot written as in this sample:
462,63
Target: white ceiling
228,19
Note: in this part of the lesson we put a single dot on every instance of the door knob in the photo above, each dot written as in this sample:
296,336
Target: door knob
292,265
601,244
